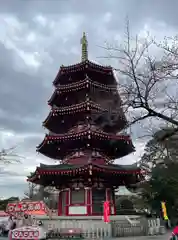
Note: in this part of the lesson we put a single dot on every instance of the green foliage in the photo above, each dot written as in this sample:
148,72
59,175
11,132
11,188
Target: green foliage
124,206
162,183
157,151
4,202
164,186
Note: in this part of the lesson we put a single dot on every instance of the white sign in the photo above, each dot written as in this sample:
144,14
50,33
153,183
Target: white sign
25,234
77,210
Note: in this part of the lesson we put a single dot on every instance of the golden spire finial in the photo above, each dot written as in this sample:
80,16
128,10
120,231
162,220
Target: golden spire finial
84,43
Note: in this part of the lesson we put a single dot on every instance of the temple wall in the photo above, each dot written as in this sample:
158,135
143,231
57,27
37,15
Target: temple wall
84,201
84,160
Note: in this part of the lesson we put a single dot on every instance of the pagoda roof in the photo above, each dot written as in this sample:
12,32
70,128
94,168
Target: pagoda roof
82,169
86,131
82,84
60,124
58,146
86,106
82,66
90,63
114,167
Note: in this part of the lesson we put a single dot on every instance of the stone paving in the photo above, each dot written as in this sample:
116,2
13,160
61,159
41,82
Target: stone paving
160,237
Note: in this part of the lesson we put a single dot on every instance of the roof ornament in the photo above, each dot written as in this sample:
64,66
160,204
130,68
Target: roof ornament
84,44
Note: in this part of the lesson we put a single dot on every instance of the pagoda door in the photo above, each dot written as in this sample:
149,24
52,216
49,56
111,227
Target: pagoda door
98,198
62,203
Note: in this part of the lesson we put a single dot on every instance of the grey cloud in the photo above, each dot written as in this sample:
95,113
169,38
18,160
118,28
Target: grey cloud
24,90
19,93
30,142
23,97
137,10
13,189
7,173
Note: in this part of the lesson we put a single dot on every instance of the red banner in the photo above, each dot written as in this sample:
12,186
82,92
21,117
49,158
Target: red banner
25,207
106,208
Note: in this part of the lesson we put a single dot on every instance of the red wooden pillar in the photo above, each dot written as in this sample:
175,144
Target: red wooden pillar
60,203
91,202
114,204
88,201
111,198
108,198
67,202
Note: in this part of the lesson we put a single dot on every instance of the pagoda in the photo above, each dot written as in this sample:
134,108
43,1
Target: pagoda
85,125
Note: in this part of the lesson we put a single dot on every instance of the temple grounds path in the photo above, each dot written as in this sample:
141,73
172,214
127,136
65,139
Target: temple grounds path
160,237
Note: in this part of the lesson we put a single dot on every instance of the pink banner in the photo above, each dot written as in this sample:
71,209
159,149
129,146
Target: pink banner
106,208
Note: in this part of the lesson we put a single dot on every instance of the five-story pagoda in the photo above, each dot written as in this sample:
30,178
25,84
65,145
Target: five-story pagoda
84,124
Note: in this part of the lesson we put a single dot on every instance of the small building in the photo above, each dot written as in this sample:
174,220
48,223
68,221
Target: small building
84,125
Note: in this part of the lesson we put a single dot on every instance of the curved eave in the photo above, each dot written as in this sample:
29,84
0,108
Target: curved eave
49,155
57,170
33,179
52,120
82,66
42,143
67,89
52,176
50,115
83,63
86,83
84,135
87,133
52,98
85,106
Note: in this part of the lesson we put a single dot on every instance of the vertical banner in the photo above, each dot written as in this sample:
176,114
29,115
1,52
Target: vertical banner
106,208
164,210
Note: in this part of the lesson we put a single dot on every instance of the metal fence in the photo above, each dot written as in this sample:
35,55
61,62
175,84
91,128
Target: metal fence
99,233
119,230
94,227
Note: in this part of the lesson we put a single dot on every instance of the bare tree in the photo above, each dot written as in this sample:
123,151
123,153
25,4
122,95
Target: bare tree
34,191
147,73
159,152
31,191
9,155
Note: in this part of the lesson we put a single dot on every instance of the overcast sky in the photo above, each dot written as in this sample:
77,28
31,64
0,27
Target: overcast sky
36,37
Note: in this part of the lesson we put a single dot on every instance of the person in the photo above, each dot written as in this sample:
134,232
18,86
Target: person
14,224
8,226
175,233
27,221
40,223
